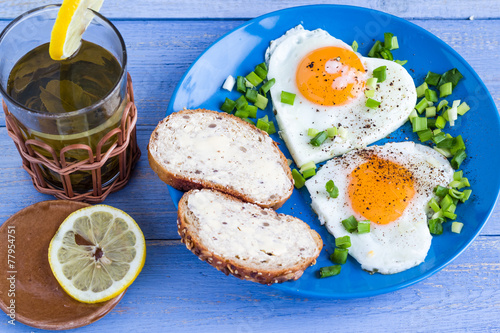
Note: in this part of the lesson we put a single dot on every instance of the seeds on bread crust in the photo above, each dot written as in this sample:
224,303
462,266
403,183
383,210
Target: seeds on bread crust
193,149
244,239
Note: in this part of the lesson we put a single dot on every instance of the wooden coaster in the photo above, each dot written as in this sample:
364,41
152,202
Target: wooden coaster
38,299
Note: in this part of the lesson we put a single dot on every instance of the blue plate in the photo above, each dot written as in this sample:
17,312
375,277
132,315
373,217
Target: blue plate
239,51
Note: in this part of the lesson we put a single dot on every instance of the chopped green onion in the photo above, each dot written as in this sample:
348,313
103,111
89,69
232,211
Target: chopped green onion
431,95
452,76
425,135
441,191
343,242
364,227
287,98
375,49
464,182
308,173
442,104
431,122
446,201
436,226
312,132
329,271
331,132
240,84
401,62
339,256
457,175
454,184
371,82
456,227
241,113
436,131
422,105
380,73
413,115
463,108
241,103
355,46
419,124
262,65
267,86
449,215
439,137
251,95
458,159
308,165
455,193
369,93
458,144
271,129
440,122
342,132
446,143
319,139
261,71
253,78
430,112
386,54
261,102
262,125
298,179
443,151
421,89
252,111
466,195
371,103
432,78
434,205
228,105
390,41
350,224
332,190
248,121
445,89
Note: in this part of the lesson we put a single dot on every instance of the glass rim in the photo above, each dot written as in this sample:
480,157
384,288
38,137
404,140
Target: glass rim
78,112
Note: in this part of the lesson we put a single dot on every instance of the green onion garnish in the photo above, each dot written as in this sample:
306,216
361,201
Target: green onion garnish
401,62
421,89
440,122
308,165
445,152
386,54
380,73
437,138
329,271
432,78
458,144
390,41
354,46
431,95
371,82
312,132
262,125
430,112
332,190
253,78
375,49
441,191
458,159
364,227
425,135
240,84
436,226
446,201
261,102
271,129
331,132
241,114
452,76
241,103
371,103
463,108
434,205
339,256
251,95
267,86
466,196
252,111
343,242
457,175
445,89
308,173
298,179
248,121
287,98
464,182
350,224
422,105
319,139
228,105
456,227
369,93
419,124
261,70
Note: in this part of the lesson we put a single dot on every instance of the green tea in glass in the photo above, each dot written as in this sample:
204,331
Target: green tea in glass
65,102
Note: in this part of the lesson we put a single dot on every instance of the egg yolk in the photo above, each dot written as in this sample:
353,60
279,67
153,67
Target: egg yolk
330,76
380,190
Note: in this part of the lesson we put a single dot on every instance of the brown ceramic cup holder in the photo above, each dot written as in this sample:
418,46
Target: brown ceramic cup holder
124,146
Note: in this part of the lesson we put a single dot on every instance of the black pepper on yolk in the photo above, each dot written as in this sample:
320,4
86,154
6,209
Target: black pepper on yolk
380,190
330,76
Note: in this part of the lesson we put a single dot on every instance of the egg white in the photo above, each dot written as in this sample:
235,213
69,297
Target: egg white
401,244
364,125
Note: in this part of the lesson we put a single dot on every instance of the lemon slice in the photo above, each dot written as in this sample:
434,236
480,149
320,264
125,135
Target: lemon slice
97,253
71,22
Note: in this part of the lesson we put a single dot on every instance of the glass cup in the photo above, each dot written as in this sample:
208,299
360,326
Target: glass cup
78,129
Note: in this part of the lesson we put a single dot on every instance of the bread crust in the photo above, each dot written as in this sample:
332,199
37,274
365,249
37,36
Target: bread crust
185,183
227,266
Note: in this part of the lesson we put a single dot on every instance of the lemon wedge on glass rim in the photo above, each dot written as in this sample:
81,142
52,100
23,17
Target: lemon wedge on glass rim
96,253
71,22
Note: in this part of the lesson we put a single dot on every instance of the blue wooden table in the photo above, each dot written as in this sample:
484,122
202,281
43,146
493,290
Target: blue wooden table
176,291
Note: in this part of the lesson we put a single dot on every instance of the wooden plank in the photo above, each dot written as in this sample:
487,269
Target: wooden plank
461,9
161,51
464,296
